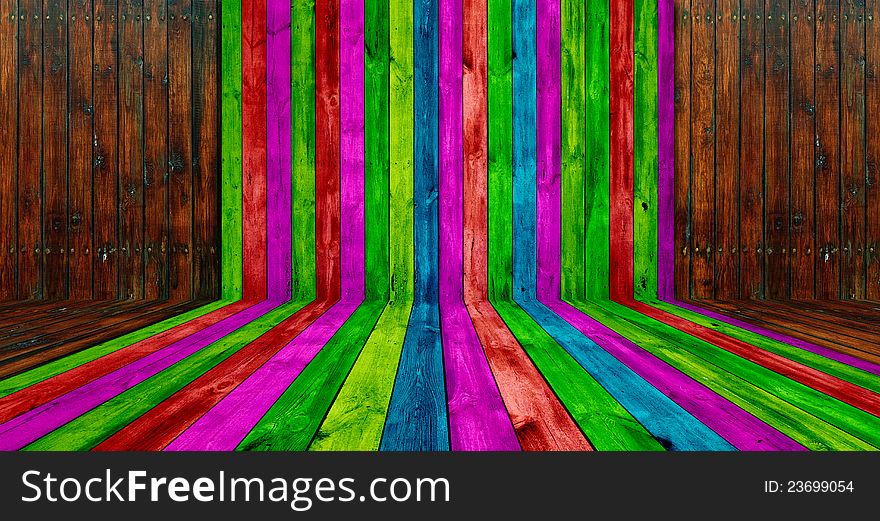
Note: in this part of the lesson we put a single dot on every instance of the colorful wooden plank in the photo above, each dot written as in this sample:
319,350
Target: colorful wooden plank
8,143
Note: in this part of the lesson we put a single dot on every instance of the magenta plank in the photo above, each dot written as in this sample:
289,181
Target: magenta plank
278,175
478,419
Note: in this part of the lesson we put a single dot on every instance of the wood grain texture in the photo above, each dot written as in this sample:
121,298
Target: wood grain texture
803,147
8,144
30,197
156,247
180,148
776,148
231,172
751,151
206,162
130,60
54,162
105,176
703,132
682,180
852,149
827,170
872,166
727,148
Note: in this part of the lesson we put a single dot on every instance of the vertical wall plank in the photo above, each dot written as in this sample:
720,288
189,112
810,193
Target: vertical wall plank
131,148
80,161
803,132
727,144
827,168
596,155
703,147
872,122
852,150
574,135
180,174
156,247
8,144
105,175
683,21
776,148
751,179
205,152
55,149
30,200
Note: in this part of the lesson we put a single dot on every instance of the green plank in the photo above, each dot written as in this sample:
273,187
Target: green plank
95,426
356,419
500,163
606,423
574,135
302,112
291,422
810,417
645,201
596,154
230,152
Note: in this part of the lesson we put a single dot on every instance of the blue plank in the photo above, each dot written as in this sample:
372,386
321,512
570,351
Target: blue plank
417,414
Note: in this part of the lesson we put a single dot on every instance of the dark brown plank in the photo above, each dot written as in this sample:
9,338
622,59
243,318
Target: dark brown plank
105,174
682,147
776,148
852,149
30,201
55,149
803,148
156,150
727,142
180,183
703,147
80,149
8,143
827,167
872,124
131,148
206,259
751,184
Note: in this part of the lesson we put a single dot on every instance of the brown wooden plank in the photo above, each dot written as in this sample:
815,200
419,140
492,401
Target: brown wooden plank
872,128
8,144
206,258
105,174
727,143
803,148
682,147
852,150
180,183
751,184
55,149
827,167
98,333
131,148
156,150
776,148
30,201
80,149
703,147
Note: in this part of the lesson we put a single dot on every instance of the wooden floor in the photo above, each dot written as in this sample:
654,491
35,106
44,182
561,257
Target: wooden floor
445,227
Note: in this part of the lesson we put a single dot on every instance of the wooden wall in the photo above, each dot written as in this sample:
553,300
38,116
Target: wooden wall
778,149
109,149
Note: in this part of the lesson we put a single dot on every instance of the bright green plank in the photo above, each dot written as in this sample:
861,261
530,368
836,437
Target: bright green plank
646,150
357,417
574,128
95,426
810,417
302,112
596,154
606,423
